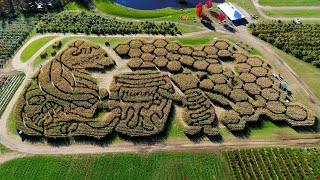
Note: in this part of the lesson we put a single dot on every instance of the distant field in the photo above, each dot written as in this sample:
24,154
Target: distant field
185,165
292,13
290,3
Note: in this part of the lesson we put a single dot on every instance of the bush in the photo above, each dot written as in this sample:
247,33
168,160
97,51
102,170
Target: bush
212,61
222,89
207,85
147,57
122,49
173,47
244,108
252,88
230,117
185,81
296,113
255,62
43,55
224,54
148,48
270,94
57,45
134,53
243,68
53,52
218,78
276,107
187,60
160,43
160,62
174,66
211,50
259,71
160,52
135,63
264,82
240,58
222,45
199,53
173,57
200,65
215,69
247,77
186,50
238,95
135,44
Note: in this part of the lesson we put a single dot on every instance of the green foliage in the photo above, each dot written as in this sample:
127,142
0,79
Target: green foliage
302,41
190,165
75,22
13,33
274,163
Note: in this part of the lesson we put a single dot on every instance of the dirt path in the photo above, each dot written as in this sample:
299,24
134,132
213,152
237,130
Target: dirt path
260,8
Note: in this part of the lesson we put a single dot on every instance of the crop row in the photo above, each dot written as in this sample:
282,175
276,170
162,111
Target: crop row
12,34
301,41
93,24
275,163
8,86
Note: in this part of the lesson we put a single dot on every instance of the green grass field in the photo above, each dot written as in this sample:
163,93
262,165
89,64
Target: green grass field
290,3
34,47
292,13
3,149
184,165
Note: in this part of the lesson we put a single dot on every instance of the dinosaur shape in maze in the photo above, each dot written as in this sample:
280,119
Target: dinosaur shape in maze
62,99
246,91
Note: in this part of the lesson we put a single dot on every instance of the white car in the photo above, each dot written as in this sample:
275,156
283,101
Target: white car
297,21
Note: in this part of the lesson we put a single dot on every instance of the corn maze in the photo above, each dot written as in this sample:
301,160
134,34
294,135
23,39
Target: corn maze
275,163
63,99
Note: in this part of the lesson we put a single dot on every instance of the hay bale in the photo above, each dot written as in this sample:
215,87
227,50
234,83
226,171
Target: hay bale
122,49
210,50
215,69
200,65
135,43
296,112
186,50
148,48
161,61
264,82
222,45
160,52
187,60
276,107
174,66
160,43
133,53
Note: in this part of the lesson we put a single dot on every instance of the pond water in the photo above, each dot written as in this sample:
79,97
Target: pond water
160,4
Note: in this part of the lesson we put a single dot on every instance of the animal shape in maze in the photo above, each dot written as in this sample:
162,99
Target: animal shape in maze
141,102
246,90
63,98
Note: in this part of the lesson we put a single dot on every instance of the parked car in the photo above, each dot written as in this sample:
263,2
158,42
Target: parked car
296,21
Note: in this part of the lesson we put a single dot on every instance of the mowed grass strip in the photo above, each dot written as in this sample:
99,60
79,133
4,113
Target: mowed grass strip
311,13
34,47
290,3
182,165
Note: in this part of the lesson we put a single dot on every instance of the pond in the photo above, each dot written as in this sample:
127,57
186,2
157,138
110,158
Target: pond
160,4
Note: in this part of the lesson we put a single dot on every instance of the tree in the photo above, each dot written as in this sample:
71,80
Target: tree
199,9
221,17
209,4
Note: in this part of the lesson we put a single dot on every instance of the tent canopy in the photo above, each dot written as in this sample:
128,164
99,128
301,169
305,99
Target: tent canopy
231,11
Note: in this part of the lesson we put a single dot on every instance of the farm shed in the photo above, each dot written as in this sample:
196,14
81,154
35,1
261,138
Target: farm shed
231,11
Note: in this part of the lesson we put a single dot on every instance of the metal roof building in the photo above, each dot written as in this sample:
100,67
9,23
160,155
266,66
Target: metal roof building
232,12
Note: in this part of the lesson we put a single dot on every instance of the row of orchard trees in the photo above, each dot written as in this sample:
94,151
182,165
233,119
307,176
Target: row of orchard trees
302,41
94,24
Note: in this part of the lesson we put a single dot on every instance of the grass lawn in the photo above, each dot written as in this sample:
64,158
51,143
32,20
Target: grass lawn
3,149
182,165
34,47
290,3
76,5
292,13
